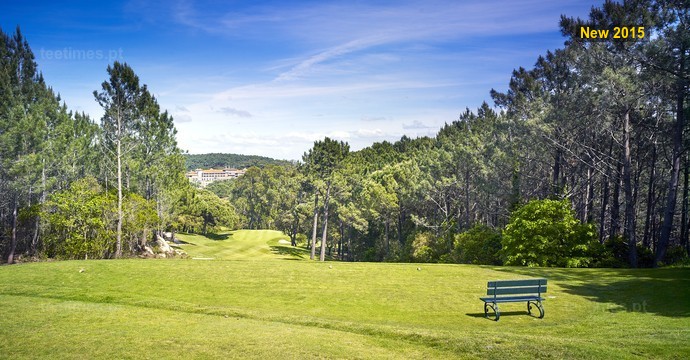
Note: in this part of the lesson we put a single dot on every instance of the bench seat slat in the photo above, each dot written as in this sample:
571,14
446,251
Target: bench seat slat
512,299
511,283
516,290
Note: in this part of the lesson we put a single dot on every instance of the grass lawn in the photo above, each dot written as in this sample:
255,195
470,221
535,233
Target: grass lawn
241,245
272,308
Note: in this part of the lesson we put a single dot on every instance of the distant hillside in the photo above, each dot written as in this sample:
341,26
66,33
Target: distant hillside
218,160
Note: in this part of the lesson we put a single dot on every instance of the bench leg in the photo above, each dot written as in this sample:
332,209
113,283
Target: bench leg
538,305
494,308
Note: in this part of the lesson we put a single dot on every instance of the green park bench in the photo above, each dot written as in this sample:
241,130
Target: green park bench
518,290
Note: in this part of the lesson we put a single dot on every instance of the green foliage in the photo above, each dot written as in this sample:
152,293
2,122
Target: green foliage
324,157
479,245
139,220
79,222
201,211
222,189
423,247
613,253
546,233
220,160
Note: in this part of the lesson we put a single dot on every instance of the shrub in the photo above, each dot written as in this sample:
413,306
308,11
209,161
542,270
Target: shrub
479,245
546,233
423,247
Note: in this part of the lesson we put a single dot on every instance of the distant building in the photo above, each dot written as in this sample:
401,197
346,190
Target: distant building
205,177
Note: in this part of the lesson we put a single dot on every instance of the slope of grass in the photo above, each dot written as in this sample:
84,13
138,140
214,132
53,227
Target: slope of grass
241,245
303,309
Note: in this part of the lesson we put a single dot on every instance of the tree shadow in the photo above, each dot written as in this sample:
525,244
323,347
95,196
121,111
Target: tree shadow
181,242
286,250
218,237
503,313
663,292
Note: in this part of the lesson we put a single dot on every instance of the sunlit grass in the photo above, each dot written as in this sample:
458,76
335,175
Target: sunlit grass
186,308
241,245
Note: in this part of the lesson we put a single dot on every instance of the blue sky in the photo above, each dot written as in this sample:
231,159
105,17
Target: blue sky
270,77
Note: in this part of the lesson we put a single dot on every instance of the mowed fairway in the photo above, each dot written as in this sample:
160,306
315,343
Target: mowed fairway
241,245
277,309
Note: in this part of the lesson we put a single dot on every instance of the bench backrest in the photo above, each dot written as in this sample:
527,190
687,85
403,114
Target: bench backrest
516,287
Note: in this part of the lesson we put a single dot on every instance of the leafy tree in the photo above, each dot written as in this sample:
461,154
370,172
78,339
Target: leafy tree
139,139
120,98
320,162
201,211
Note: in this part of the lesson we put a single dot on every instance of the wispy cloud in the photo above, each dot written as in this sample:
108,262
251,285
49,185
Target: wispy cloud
417,125
373,118
182,118
290,145
235,112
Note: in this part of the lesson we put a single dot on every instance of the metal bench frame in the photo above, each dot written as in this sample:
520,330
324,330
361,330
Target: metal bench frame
523,290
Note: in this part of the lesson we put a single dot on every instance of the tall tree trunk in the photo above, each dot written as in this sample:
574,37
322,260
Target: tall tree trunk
670,210
629,199
468,218
13,240
34,240
685,229
556,188
650,198
604,201
401,220
340,241
614,230
324,237
314,229
604,205
387,239
589,200
118,246
295,224
350,255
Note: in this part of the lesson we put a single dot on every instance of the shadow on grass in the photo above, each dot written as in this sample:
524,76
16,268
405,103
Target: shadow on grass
218,237
503,313
298,253
663,292
181,242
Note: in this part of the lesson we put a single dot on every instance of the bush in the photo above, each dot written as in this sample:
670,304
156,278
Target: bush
423,247
676,254
546,233
613,253
480,245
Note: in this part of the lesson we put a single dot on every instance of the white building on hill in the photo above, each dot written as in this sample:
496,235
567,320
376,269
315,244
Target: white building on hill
205,177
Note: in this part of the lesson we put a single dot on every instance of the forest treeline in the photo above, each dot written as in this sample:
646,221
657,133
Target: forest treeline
222,160
71,187
582,162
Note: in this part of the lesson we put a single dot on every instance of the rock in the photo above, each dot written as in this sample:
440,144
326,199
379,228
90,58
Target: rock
168,236
163,246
